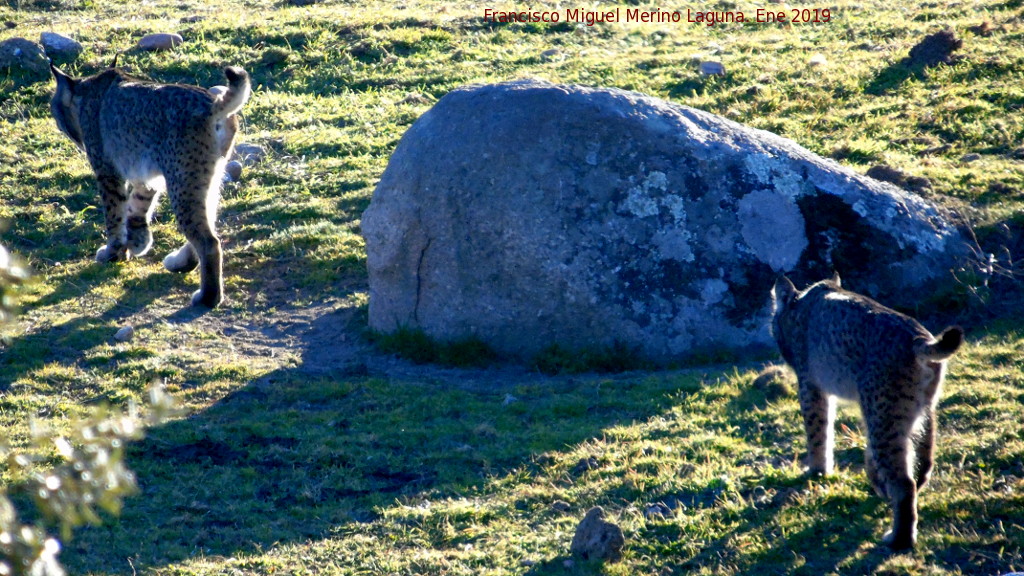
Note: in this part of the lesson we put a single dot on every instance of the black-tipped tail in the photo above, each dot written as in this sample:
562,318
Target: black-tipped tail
944,346
238,92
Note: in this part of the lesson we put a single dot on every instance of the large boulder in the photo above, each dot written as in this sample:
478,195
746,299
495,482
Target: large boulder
528,214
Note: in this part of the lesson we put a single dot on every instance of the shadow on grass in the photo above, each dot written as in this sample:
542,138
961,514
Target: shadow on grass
311,451
306,451
65,342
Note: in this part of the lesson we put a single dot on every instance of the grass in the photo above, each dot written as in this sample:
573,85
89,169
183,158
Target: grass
301,455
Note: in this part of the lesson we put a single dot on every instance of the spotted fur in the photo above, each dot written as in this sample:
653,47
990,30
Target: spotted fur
142,138
845,345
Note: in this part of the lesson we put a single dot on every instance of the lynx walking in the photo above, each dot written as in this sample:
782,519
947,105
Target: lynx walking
842,344
155,137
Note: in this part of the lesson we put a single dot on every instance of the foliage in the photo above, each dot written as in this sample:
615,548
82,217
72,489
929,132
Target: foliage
92,476
12,274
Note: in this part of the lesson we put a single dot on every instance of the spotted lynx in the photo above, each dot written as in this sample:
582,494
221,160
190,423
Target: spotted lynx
842,344
142,138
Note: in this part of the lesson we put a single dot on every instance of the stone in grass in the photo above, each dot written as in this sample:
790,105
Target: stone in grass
597,538
775,381
24,55
160,41
249,154
60,48
934,49
233,170
710,68
125,334
884,173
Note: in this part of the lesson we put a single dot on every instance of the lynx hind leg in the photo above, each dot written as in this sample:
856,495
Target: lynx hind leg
924,449
114,196
194,196
141,204
891,468
819,412
182,260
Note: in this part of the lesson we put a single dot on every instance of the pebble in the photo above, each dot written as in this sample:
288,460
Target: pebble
59,47
233,170
817,61
249,153
549,55
125,334
972,157
710,68
561,506
160,41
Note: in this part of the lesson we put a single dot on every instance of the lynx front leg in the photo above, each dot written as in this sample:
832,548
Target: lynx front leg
819,412
115,198
140,212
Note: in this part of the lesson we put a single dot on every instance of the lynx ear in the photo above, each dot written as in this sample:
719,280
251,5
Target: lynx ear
783,292
65,83
836,280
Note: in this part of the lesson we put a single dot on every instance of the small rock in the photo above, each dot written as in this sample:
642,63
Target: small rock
596,538
249,154
549,55
710,68
160,41
972,157
192,19
934,49
414,98
233,170
983,29
817,61
10,24
776,381
561,506
527,563
934,150
656,511
125,334
918,184
25,55
584,465
60,48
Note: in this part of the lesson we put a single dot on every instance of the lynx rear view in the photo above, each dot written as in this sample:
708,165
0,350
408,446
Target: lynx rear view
142,138
842,344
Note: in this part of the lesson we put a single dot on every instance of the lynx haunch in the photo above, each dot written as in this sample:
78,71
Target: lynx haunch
845,345
142,138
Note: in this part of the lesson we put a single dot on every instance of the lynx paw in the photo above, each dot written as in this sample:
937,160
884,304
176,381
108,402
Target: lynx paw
108,254
211,300
902,542
140,240
183,259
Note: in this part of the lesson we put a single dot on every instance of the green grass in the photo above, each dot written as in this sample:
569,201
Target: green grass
299,459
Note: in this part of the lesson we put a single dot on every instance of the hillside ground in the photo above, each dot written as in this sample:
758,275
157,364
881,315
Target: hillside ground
308,450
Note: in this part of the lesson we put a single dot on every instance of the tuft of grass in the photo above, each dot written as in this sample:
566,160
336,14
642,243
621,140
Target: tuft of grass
415,345
618,357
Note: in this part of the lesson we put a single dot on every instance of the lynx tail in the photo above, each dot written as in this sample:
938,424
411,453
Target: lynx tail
239,90
944,346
